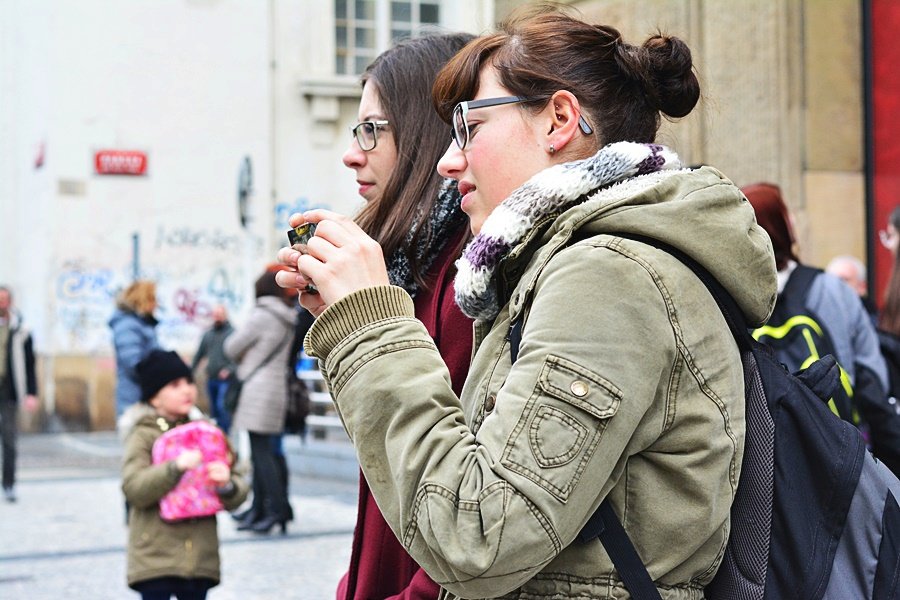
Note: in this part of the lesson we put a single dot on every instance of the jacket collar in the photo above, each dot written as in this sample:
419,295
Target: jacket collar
542,197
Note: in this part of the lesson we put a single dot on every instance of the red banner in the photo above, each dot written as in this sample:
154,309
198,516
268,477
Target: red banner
885,134
120,162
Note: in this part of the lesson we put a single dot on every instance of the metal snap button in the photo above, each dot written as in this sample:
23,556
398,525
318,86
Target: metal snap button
579,388
490,403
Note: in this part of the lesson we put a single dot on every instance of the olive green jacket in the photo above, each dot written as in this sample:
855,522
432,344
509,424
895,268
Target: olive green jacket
157,548
628,384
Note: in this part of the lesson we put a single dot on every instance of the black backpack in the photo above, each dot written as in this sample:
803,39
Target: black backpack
799,337
815,515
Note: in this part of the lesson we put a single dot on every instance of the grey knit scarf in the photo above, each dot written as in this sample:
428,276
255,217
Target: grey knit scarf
549,192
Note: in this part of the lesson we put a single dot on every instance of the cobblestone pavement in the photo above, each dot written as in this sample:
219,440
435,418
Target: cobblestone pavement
65,537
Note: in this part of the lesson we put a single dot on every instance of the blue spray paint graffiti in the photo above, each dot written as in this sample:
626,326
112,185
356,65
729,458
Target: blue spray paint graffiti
283,210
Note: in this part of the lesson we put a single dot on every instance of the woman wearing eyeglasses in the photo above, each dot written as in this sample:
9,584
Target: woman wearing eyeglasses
416,218
602,368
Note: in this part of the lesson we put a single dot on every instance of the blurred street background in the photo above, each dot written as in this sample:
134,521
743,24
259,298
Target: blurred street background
66,537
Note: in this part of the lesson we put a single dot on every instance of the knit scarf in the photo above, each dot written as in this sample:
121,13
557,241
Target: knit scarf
444,219
549,192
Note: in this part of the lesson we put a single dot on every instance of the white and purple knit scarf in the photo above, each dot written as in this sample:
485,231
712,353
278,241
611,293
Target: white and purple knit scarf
546,193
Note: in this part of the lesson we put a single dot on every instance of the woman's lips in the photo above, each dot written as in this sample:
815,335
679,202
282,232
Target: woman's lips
465,189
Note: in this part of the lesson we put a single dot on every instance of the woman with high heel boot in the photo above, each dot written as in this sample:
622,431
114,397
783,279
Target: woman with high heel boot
260,348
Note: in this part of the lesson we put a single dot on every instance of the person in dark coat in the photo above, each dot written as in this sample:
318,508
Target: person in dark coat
218,366
18,382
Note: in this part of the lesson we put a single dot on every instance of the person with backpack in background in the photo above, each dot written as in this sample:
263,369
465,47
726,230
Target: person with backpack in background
818,314
853,272
626,386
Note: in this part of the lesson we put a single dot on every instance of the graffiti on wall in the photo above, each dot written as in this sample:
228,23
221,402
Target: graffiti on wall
283,211
188,285
195,269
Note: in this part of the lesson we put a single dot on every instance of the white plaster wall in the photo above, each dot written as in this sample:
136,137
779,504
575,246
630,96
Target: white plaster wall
184,81
197,85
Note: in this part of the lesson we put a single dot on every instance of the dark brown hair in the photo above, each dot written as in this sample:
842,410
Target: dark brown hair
541,50
402,77
889,315
266,286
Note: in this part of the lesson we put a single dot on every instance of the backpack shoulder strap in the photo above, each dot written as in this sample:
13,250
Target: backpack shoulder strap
604,523
797,288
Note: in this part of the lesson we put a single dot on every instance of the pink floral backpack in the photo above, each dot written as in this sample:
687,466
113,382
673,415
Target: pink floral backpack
195,495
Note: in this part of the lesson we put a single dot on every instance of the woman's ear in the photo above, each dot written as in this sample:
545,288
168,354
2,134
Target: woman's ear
564,112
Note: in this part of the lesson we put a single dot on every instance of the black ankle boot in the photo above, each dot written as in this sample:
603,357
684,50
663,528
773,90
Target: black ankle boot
266,524
248,521
244,514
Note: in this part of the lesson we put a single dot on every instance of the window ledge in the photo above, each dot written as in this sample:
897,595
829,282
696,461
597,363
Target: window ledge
324,96
335,87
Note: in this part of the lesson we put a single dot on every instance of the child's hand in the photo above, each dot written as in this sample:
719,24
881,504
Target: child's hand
218,472
188,460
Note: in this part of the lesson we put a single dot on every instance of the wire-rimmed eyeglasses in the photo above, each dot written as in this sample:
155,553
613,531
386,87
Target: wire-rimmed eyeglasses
366,133
460,120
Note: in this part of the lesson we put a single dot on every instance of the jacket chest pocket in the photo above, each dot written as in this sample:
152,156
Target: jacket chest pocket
561,425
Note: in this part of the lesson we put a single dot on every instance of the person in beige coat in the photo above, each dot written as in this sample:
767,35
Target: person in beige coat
627,384
260,348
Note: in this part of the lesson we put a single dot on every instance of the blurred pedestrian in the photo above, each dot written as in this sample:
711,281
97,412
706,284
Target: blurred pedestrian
218,366
170,557
853,272
18,382
134,336
260,348
890,235
847,331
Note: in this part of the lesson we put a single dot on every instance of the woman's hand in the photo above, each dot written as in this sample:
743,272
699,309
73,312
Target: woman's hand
341,260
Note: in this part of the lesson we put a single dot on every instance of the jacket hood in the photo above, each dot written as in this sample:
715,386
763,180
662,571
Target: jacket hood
701,213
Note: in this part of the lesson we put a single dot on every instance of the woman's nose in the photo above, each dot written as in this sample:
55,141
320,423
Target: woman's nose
353,158
452,163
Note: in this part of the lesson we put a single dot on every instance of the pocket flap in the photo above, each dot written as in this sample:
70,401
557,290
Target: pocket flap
580,387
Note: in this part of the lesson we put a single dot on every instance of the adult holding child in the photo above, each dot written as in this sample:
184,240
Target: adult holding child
626,385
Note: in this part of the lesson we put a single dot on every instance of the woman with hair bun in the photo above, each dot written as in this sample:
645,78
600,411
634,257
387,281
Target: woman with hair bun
602,367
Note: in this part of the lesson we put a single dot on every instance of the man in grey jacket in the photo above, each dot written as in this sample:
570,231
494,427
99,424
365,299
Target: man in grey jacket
218,366
17,382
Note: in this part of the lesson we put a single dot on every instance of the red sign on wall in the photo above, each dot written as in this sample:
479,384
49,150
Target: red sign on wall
885,134
120,162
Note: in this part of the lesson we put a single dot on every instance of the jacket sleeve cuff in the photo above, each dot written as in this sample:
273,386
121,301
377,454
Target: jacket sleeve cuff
354,312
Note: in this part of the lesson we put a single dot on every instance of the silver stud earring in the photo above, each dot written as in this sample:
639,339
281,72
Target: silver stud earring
552,149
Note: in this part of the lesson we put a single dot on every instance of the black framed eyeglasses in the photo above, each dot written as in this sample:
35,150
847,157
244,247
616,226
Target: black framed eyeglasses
366,133
460,119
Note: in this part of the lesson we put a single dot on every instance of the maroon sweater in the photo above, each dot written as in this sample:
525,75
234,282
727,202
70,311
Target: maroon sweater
380,568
